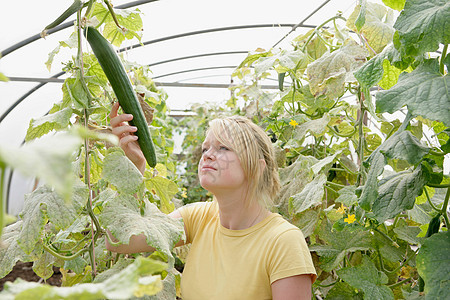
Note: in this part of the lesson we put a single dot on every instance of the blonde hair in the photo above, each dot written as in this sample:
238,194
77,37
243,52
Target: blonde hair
251,144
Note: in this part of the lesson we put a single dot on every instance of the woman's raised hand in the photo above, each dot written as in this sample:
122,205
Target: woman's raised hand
127,139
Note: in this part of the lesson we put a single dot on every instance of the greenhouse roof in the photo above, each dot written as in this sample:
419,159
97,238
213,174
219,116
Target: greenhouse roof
192,47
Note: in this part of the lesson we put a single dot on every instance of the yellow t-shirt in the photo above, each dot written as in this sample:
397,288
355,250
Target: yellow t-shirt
239,264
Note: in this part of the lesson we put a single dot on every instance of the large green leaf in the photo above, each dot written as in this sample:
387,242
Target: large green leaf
367,278
329,74
10,252
134,280
310,196
378,26
423,25
401,145
56,121
433,265
121,215
404,146
397,193
425,91
45,204
121,172
339,244
48,158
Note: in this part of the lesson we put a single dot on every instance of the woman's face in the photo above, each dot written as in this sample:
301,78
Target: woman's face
219,168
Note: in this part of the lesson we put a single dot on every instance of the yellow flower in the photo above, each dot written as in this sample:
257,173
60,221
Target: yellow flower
350,219
341,209
293,123
184,195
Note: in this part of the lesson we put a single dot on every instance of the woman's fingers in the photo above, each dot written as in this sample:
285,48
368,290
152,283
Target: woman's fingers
126,140
120,131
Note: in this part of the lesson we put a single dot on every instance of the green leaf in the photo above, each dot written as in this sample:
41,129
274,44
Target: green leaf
317,127
390,75
343,291
48,158
369,192
282,61
433,265
397,193
165,189
404,146
378,24
395,4
329,74
43,125
424,90
367,278
325,163
361,19
121,172
408,233
134,280
339,244
43,267
310,196
45,204
10,252
347,196
121,215
423,25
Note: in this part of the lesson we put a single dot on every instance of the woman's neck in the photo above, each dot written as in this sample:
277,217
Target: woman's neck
237,213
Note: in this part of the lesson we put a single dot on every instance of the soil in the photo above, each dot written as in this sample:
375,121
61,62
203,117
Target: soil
25,271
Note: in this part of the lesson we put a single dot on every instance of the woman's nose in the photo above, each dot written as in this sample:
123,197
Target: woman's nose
209,154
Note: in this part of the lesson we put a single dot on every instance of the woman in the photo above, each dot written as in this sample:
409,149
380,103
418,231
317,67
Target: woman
239,249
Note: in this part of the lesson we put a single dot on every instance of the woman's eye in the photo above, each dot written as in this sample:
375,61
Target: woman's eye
204,150
223,148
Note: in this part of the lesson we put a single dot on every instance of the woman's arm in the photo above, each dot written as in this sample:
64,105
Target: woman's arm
292,288
138,243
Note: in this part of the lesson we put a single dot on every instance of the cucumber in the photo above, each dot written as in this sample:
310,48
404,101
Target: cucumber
76,6
121,84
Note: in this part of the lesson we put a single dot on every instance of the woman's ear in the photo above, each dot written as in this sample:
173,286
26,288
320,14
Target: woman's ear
262,165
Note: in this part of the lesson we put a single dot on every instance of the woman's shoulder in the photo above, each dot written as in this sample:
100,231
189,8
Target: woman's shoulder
279,227
198,209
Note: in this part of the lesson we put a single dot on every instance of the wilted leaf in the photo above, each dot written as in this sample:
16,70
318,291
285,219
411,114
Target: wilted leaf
48,158
43,267
408,233
121,172
424,91
43,125
329,74
121,215
423,25
45,204
367,278
347,196
310,196
433,265
377,27
134,280
165,189
10,252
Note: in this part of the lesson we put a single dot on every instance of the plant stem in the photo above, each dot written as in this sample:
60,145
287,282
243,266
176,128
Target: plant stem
63,257
87,165
444,208
316,30
398,283
2,200
443,55
429,200
441,186
360,150
113,14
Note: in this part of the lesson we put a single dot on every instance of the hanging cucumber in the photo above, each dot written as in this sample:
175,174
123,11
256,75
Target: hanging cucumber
121,84
76,6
